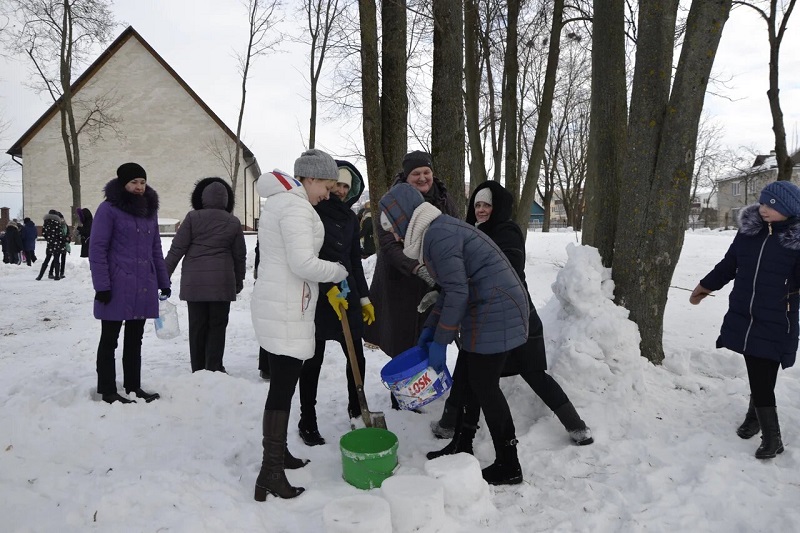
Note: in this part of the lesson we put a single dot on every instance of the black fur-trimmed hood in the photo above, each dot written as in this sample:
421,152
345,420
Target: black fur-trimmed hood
144,206
197,193
751,224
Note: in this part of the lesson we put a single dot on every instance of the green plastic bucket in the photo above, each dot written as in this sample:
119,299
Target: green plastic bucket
369,455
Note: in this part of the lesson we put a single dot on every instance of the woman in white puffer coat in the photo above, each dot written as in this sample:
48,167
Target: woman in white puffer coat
284,299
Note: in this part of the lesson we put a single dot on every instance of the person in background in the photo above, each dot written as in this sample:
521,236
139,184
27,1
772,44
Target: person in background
60,259
341,245
491,213
85,230
762,319
263,355
29,235
128,272
14,245
400,282
285,299
482,300
211,243
367,233
56,242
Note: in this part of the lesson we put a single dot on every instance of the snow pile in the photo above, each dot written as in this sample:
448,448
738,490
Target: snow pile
590,334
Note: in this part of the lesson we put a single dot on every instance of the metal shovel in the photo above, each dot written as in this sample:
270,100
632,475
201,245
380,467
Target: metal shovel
371,419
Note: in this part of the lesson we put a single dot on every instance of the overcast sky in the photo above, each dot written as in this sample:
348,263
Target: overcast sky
198,38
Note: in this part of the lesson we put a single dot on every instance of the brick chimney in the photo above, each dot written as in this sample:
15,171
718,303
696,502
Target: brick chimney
4,217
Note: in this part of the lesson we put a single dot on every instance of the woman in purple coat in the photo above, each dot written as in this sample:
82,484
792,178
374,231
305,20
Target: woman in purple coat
128,270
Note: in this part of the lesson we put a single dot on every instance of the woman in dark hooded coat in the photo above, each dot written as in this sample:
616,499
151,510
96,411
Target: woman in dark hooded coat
211,243
85,230
490,211
399,282
341,245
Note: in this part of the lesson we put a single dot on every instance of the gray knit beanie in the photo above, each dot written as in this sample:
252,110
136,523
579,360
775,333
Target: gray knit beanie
316,164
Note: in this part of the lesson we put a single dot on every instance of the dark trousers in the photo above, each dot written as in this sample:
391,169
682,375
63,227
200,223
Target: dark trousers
208,322
542,384
47,257
131,356
762,374
30,257
480,376
309,379
285,372
59,262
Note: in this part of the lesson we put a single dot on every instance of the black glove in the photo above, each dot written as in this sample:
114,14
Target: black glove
239,286
102,296
165,293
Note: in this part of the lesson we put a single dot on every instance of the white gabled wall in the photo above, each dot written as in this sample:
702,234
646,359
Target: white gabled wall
160,126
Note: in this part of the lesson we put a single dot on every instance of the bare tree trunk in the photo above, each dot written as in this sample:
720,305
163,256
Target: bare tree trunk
510,107
447,110
607,128
394,100
69,133
373,149
654,196
522,213
472,94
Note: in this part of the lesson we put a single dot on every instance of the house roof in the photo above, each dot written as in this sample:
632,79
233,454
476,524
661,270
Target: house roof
16,149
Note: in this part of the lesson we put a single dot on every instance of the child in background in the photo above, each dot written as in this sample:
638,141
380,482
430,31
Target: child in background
762,319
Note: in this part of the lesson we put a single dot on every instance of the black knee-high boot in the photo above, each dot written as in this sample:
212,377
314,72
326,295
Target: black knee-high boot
272,478
771,443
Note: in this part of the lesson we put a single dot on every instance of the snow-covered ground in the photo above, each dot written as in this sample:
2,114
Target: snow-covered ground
665,458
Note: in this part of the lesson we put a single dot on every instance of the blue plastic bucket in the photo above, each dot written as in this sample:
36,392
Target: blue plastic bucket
412,381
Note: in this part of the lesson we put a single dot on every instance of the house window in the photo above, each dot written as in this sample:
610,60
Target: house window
736,189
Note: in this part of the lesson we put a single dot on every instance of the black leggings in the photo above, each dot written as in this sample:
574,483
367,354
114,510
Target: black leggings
481,373
285,371
762,374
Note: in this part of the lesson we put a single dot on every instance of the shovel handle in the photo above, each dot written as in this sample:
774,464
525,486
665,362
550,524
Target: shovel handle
351,349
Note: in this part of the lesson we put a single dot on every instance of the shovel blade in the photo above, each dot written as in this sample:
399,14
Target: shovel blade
378,420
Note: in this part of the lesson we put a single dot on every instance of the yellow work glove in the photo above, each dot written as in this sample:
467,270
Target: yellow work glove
336,302
368,313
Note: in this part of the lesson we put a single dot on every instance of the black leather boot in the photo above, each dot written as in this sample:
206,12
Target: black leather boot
461,442
291,462
750,427
272,478
146,396
578,431
506,469
771,443
309,431
116,397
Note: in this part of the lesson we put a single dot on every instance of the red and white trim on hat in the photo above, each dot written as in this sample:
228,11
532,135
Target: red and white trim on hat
287,181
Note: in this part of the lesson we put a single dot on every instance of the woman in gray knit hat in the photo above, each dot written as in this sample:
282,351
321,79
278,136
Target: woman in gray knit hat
284,300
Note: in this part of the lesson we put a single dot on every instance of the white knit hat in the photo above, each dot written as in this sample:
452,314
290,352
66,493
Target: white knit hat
484,195
345,177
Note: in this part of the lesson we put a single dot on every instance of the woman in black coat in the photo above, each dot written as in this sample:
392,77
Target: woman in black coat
490,210
342,245
85,230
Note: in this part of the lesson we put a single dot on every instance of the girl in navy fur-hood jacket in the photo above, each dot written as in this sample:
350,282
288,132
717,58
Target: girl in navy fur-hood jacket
762,319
